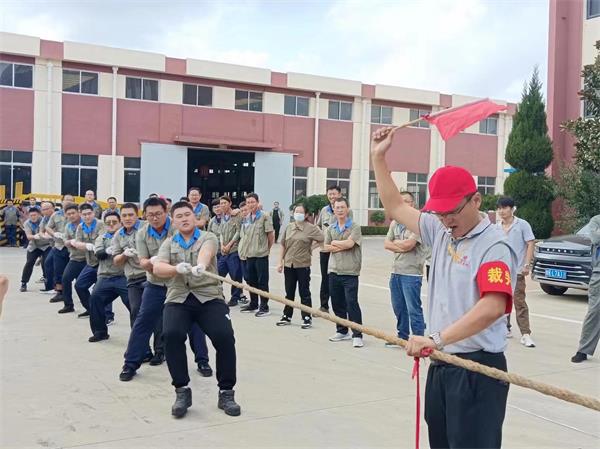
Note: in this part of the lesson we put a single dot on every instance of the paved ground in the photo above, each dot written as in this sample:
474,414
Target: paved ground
296,389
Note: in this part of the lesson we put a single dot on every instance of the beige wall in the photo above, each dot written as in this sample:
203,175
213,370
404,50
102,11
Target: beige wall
223,97
230,72
406,95
273,103
170,92
591,34
324,84
19,44
111,56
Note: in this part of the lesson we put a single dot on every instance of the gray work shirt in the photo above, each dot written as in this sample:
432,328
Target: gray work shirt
347,262
148,241
89,234
76,255
230,231
203,288
43,228
11,215
409,263
594,227
453,282
518,234
58,223
106,266
123,240
214,226
35,228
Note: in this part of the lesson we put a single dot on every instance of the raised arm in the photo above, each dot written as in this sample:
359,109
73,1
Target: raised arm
388,192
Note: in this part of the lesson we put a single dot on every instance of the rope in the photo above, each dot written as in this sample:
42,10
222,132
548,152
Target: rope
515,379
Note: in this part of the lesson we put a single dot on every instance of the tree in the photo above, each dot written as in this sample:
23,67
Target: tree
529,151
313,203
580,183
378,217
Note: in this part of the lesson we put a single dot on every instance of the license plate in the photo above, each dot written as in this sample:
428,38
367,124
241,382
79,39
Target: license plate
556,274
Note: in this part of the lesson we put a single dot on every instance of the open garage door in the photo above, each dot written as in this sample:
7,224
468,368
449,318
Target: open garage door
273,179
163,170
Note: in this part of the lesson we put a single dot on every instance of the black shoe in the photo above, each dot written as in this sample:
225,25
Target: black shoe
23,287
98,337
158,359
67,309
110,321
57,298
243,299
248,308
84,314
262,312
148,357
183,401
306,323
126,374
205,369
227,403
579,357
284,321
232,303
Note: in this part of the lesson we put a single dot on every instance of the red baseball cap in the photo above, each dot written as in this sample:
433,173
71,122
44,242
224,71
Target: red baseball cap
447,187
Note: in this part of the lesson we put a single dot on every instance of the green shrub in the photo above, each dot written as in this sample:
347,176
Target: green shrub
378,217
374,230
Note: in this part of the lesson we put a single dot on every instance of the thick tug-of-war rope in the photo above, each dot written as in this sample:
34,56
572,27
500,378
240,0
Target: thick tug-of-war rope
515,379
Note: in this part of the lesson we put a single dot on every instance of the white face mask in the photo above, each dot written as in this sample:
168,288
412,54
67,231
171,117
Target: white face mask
298,217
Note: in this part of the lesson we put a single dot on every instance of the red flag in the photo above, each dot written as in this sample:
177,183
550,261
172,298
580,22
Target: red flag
452,121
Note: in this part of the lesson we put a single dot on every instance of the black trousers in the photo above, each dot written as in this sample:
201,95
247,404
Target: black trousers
324,293
32,256
300,276
135,289
464,409
213,319
276,228
258,277
344,300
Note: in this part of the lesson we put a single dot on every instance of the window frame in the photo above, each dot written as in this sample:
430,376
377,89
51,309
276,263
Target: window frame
296,97
12,164
487,126
296,177
79,166
338,180
142,79
423,124
132,169
197,86
381,122
97,94
416,185
370,193
12,86
248,92
588,7
339,114
486,188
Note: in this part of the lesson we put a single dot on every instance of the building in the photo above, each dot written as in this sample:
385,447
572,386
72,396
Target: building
75,116
574,30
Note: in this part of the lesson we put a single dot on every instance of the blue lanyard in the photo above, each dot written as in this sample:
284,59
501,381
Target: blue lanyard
109,235
135,227
88,229
198,208
73,226
35,227
159,236
346,226
178,238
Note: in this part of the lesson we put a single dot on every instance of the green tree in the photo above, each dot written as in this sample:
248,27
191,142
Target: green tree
580,182
378,217
529,150
313,203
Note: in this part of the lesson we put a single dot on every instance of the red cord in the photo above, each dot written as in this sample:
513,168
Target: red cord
415,374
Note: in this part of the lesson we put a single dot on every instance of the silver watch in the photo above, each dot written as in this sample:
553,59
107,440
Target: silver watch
437,339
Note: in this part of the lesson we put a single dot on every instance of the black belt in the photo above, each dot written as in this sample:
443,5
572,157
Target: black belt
476,356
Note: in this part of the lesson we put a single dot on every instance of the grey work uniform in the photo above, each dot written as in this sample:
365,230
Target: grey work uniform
464,409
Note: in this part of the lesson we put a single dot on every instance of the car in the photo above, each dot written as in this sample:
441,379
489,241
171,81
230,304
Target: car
563,262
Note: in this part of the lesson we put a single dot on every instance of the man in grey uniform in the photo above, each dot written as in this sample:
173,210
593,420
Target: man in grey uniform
590,332
470,292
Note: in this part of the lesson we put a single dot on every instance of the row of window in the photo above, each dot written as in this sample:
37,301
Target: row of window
593,9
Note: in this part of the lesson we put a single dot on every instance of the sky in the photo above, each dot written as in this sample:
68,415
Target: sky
484,48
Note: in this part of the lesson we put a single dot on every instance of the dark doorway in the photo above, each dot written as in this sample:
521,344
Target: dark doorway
219,173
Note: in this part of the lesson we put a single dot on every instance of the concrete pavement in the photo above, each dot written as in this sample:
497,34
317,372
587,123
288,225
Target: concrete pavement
296,388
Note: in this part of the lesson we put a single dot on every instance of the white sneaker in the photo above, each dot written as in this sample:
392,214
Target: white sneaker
509,334
527,341
340,337
357,342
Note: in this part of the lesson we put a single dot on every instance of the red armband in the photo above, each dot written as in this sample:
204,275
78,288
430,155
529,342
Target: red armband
494,277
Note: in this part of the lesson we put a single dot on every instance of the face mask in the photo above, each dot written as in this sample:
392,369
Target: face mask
298,217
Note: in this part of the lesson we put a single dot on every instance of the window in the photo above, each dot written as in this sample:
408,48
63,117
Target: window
141,89
299,182
415,114
295,105
80,82
381,114
15,166
416,183
489,126
374,201
197,95
131,180
593,8
248,101
340,110
79,173
16,75
341,178
486,185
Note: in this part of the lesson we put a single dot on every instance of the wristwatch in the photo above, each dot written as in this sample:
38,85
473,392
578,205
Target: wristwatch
437,339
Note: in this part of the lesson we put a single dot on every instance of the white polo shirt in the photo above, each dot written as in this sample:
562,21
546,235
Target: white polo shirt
518,235
462,271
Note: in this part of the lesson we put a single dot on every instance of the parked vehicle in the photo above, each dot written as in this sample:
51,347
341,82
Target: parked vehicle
563,262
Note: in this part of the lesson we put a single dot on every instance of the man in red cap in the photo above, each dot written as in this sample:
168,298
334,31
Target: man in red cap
470,291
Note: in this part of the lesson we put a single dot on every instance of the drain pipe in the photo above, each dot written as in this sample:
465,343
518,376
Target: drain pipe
316,145
49,177
113,146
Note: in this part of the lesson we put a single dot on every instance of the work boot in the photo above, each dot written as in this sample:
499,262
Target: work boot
227,403
57,298
23,287
205,369
98,337
126,374
232,303
67,309
158,359
183,401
